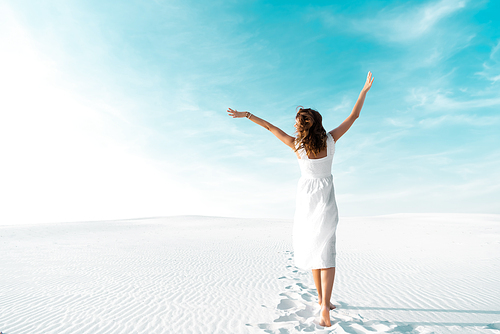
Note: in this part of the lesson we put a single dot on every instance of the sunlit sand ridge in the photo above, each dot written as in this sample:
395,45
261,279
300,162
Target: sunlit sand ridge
398,273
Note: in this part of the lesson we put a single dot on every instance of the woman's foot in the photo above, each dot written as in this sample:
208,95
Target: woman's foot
332,307
325,317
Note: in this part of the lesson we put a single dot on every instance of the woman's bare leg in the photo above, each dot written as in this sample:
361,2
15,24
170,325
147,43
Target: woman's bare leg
317,282
327,277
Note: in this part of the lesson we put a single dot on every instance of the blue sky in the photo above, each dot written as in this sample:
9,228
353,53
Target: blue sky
117,109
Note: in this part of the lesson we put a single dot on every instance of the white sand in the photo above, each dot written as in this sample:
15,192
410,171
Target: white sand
398,273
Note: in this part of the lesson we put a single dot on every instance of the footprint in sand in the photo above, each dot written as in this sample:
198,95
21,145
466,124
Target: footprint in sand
307,297
298,311
286,304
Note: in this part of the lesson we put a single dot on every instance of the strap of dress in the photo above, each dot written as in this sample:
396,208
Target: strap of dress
300,151
330,143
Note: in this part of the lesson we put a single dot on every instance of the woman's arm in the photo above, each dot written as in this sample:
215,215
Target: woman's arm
280,134
346,124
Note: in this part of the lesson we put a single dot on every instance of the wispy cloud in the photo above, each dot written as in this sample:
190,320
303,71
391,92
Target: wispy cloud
470,120
429,108
491,68
401,24
441,100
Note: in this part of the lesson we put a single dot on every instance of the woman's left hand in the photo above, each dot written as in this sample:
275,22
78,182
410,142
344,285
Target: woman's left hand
368,83
236,114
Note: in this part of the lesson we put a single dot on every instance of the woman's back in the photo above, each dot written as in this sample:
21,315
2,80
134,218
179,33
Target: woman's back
320,155
319,166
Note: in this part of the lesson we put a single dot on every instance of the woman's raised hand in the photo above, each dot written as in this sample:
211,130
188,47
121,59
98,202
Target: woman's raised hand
236,114
368,83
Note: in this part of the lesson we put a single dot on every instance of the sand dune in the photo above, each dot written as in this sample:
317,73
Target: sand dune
400,273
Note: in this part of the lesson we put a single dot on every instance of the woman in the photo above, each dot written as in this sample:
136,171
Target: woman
316,215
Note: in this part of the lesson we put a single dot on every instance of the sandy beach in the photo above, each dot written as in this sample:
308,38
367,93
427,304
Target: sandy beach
407,273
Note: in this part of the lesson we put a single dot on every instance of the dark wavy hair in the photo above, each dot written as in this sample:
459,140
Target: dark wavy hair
311,135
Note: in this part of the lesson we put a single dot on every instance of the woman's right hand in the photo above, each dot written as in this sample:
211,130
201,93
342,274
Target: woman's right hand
368,83
236,114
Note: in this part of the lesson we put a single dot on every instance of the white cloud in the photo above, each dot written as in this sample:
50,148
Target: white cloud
345,105
491,68
431,108
401,122
440,100
399,24
472,120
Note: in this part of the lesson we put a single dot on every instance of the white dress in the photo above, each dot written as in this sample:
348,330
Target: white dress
316,215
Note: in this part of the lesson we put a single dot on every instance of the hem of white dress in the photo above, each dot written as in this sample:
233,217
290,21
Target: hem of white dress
315,267
323,267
